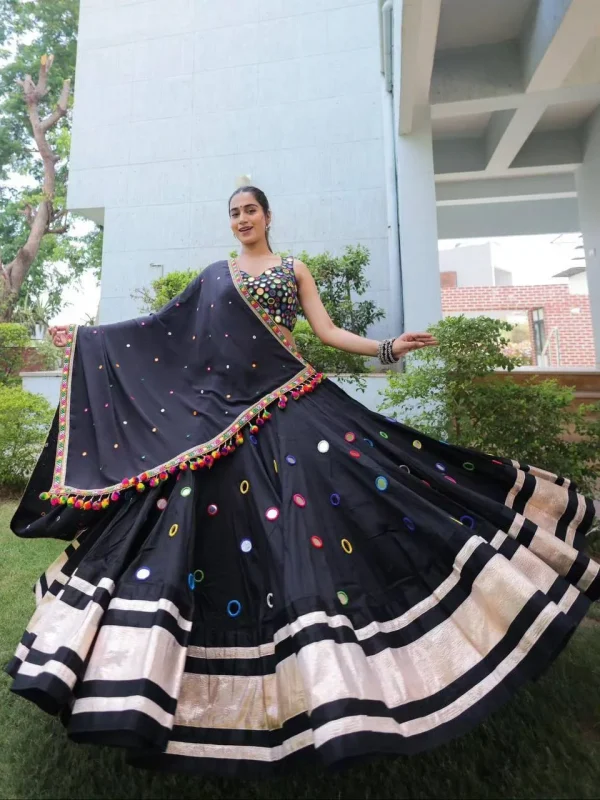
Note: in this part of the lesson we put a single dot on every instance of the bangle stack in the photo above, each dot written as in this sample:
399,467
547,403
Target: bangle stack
385,352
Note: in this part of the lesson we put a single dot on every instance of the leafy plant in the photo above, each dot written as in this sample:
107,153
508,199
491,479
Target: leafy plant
340,279
164,289
13,341
461,399
50,357
24,422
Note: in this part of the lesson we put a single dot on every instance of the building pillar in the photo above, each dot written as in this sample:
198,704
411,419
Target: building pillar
588,194
417,218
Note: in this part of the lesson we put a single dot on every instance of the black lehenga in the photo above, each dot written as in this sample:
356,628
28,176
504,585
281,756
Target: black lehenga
340,585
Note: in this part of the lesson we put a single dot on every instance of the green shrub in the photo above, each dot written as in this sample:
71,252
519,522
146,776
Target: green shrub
459,399
14,339
24,422
164,289
340,280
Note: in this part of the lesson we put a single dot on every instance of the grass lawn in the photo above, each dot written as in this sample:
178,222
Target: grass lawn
545,744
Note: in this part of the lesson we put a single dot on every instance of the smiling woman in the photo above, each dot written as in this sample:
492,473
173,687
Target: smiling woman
282,575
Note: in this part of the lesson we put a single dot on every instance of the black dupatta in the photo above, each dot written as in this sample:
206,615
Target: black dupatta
144,398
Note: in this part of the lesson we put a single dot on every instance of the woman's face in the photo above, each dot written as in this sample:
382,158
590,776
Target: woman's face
247,219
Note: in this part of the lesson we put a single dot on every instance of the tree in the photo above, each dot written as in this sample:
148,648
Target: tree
46,218
38,268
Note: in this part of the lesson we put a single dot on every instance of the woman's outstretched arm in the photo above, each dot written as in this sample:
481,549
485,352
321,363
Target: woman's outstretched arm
323,326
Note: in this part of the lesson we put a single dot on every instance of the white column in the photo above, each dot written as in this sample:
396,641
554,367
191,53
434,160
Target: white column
588,193
418,225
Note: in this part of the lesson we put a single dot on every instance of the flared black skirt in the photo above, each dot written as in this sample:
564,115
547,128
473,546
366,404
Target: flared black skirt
341,585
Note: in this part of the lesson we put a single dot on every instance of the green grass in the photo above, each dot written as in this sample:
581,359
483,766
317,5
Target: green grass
545,744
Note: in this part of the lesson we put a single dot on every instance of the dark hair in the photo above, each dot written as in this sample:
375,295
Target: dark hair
261,199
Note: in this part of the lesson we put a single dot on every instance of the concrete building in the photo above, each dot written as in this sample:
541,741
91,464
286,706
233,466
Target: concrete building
473,265
386,122
175,99
577,276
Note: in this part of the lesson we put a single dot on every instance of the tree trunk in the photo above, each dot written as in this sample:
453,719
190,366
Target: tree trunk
41,220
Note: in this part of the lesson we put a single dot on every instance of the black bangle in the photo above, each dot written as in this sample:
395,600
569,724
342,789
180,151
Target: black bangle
386,353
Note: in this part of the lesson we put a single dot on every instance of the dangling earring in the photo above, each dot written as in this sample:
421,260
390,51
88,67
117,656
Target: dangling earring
268,228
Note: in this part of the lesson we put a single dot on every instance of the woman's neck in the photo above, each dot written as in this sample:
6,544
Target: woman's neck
256,252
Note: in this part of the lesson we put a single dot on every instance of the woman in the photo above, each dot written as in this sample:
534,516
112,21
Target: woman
341,585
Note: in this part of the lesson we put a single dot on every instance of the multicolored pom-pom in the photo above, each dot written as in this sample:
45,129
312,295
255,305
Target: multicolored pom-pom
143,480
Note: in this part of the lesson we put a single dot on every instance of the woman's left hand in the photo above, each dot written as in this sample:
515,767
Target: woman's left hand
408,342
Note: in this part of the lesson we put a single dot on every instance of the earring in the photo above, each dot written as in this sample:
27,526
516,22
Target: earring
268,228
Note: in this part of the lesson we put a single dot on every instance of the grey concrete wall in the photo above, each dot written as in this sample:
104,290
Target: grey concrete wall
175,99
47,384
588,191
524,218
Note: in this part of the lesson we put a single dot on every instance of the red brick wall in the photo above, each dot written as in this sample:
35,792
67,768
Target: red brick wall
575,330
33,361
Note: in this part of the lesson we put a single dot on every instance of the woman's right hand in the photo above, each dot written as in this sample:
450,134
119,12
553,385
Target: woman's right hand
60,335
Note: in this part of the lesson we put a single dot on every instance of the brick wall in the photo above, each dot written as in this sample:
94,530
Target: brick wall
575,329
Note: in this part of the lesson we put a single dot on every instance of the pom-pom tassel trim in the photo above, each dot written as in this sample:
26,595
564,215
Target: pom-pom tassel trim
92,502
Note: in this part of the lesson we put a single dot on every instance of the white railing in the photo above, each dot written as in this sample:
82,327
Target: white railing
545,358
